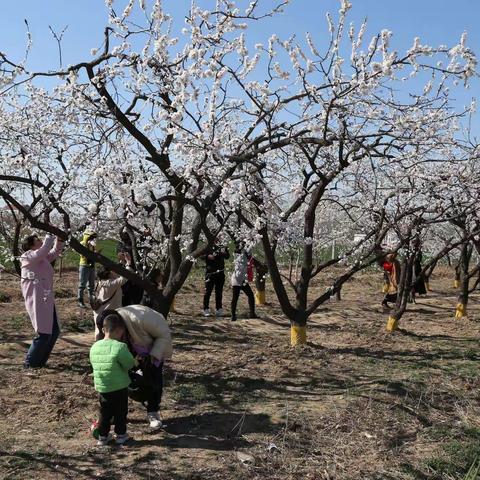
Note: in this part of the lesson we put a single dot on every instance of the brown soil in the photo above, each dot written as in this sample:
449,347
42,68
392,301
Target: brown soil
356,403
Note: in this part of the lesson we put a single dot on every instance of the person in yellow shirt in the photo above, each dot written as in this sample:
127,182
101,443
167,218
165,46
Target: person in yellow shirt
86,273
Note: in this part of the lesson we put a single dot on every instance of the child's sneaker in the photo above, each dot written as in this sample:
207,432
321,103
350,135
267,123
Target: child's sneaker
219,312
122,439
206,312
103,441
154,420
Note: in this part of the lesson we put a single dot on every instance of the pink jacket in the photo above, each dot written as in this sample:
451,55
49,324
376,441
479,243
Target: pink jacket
37,283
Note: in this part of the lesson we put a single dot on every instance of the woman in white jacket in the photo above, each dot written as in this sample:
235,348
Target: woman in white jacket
239,281
149,337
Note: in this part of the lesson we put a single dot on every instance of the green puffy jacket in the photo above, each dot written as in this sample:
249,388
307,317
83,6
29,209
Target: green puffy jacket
111,360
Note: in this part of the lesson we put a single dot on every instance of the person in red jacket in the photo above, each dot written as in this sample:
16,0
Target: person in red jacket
391,267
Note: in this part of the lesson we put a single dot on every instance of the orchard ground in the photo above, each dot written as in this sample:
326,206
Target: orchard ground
356,403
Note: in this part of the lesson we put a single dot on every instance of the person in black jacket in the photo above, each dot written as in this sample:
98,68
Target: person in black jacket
214,278
419,287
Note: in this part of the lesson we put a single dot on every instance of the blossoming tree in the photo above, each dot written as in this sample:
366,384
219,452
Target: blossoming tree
186,136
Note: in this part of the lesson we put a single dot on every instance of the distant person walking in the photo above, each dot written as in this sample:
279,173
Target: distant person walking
37,289
419,287
86,273
391,267
239,281
215,278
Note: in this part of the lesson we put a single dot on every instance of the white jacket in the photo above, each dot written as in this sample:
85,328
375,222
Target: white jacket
240,267
149,329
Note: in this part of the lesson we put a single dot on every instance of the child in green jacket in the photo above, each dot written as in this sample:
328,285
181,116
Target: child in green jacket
111,360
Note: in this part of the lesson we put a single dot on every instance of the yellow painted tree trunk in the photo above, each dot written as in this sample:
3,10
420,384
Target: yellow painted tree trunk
460,311
260,297
392,324
298,335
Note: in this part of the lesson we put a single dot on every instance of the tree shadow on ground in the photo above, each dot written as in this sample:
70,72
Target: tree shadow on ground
445,293
272,321
435,307
423,311
191,337
419,336
418,357
311,325
76,343
62,465
212,431
230,392
192,340
71,367
76,362
101,463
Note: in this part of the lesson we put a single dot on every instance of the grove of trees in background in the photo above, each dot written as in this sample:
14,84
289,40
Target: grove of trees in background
290,145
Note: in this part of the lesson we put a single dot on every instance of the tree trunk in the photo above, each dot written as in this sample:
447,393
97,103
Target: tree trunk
404,292
338,295
298,329
449,260
464,281
261,271
16,248
428,275
456,281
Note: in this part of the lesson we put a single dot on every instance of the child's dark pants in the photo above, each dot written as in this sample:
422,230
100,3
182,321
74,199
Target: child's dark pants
113,405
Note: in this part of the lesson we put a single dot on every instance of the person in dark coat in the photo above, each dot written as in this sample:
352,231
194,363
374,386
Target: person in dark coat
215,278
419,287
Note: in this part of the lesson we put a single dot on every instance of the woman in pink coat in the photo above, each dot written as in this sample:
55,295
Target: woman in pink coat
37,290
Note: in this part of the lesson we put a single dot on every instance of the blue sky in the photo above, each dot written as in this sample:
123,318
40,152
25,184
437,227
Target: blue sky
434,21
